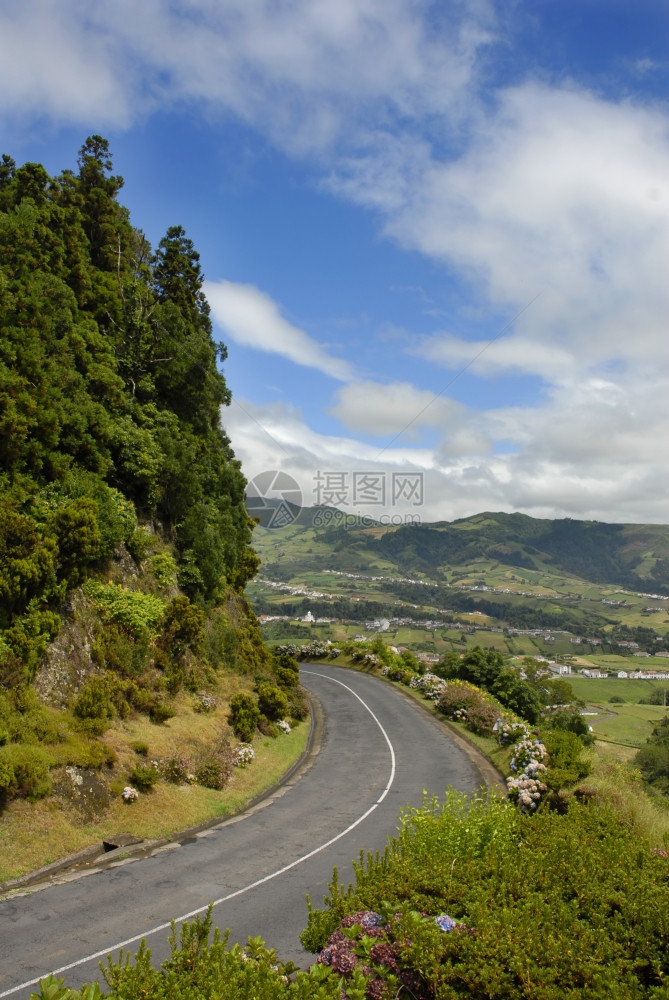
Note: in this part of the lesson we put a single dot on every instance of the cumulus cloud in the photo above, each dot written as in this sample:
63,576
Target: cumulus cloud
376,408
560,193
511,354
582,455
307,73
251,318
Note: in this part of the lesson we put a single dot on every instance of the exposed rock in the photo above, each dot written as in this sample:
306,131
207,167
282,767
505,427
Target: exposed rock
66,663
85,788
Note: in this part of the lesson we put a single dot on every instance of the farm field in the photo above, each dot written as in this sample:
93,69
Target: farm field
632,691
627,724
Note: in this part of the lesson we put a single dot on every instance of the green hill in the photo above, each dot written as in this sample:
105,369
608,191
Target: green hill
583,579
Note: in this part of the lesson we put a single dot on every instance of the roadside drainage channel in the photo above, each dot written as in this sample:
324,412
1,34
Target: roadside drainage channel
124,847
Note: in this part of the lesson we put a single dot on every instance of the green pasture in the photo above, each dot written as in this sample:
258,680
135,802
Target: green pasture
632,691
628,724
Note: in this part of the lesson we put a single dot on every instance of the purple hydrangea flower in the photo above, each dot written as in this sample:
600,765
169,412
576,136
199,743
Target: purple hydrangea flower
444,922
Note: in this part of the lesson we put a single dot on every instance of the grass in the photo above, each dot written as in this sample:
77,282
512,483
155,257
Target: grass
591,689
33,834
627,724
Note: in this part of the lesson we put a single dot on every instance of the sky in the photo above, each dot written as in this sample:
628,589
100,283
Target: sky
435,235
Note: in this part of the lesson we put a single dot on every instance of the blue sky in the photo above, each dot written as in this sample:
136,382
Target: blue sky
435,235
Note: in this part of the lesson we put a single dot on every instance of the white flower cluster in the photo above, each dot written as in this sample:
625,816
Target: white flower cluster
129,794
284,726
510,732
243,754
431,686
527,751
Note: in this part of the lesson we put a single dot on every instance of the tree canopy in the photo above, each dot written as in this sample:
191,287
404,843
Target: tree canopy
110,398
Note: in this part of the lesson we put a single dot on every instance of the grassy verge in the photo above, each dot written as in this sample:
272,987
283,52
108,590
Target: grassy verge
33,834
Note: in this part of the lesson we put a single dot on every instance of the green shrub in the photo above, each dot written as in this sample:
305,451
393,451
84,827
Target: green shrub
298,704
182,627
95,699
549,905
133,610
567,764
160,713
24,770
215,766
213,970
81,752
244,716
163,568
114,648
144,776
140,747
75,526
272,702
25,720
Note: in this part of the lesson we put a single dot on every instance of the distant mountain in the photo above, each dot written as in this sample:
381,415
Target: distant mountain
634,556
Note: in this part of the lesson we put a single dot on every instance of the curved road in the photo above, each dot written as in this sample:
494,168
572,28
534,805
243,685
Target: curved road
379,751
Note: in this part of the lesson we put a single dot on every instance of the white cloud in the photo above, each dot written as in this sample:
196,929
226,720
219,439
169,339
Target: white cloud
587,453
508,354
251,318
306,72
374,408
564,194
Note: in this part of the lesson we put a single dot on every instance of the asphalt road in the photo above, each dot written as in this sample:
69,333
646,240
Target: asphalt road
378,752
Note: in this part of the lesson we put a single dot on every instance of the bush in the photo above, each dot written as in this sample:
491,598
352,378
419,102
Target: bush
286,669
133,610
567,764
298,704
95,699
214,767
178,769
571,721
24,770
144,776
82,752
244,716
121,651
182,627
272,702
552,905
159,713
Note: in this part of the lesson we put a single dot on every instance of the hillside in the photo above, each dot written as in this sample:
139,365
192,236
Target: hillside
124,537
502,573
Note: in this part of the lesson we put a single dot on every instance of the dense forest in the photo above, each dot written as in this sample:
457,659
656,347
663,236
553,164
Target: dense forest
110,398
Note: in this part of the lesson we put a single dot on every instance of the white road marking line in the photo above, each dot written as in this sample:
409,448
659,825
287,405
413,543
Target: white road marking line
247,888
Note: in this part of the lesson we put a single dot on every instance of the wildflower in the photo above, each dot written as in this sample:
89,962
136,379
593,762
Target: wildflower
129,794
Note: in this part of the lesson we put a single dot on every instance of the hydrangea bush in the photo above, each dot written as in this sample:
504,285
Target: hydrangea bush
431,686
243,754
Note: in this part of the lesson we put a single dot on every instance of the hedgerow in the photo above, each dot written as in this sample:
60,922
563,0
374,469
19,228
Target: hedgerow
572,905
